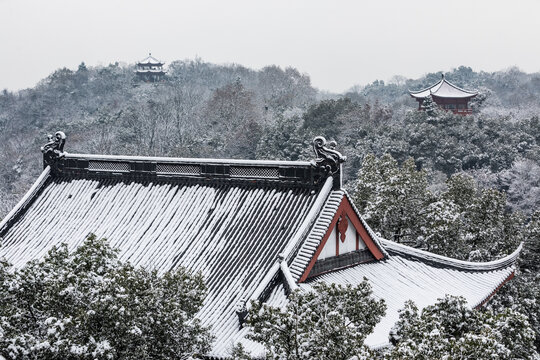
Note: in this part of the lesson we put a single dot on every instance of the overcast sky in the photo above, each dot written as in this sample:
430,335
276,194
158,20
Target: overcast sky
338,43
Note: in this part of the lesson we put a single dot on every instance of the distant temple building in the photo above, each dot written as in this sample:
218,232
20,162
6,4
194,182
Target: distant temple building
447,95
150,69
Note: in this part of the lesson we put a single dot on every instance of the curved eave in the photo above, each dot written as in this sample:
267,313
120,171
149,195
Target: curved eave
420,94
470,93
434,89
453,96
150,60
150,72
443,261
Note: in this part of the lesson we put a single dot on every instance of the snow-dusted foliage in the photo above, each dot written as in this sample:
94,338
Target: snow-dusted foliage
462,222
327,322
430,107
522,184
449,329
523,293
391,197
285,140
86,304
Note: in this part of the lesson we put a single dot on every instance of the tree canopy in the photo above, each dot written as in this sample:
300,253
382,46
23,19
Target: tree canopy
86,304
324,322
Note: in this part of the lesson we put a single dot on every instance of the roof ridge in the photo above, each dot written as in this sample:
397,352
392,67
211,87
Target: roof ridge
458,88
405,250
184,160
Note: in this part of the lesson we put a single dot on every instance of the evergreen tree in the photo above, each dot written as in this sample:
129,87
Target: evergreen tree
328,322
87,304
391,198
285,140
429,106
449,329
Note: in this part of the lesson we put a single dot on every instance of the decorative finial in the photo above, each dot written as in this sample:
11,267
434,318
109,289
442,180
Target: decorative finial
241,311
442,75
54,148
327,157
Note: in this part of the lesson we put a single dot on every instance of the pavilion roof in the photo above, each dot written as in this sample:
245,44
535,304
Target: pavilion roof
443,89
150,60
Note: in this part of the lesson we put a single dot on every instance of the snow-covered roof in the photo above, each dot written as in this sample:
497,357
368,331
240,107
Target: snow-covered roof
443,89
229,219
150,60
251,227
150,71
409,274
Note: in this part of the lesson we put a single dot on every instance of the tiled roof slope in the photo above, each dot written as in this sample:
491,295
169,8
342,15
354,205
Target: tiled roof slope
150,60
443,89
227,219
409,275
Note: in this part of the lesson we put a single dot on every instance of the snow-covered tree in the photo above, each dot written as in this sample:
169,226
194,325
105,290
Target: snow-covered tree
523,293
429,106
327,322
441,229
285,140
462,222
522,184
86,304
391,198
449,329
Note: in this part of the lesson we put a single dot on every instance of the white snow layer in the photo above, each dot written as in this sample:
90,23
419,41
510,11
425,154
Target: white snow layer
399,278
232,234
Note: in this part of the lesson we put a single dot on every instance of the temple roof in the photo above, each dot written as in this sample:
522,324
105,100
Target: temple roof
251,227
443,89
411,274
150,60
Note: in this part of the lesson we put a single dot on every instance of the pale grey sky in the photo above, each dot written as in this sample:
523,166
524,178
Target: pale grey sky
338,43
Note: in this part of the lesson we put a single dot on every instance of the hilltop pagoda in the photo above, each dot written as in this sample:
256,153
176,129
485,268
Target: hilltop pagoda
447,96
150,69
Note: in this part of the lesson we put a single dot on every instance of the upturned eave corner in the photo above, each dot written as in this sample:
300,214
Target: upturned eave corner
508,261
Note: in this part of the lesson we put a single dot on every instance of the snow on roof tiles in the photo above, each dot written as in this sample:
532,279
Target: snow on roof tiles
443,89
399,278
150,60
230,232
240,222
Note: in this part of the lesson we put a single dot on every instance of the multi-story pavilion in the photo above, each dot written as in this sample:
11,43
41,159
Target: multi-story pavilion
447,95
150,69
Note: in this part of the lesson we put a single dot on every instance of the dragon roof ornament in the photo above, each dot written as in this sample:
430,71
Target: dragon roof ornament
327,157
54,148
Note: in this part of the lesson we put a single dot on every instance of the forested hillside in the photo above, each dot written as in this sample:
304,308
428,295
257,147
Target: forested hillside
207,110
462,186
